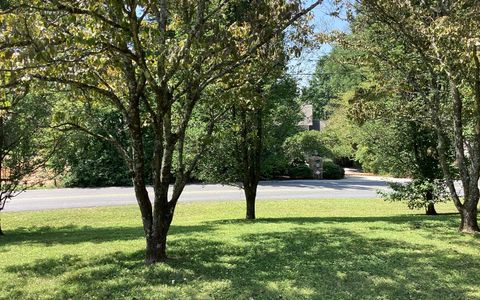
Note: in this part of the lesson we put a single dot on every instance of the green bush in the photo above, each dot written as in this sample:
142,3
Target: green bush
300,172
92,163
305,144
332,170
88,162
418,193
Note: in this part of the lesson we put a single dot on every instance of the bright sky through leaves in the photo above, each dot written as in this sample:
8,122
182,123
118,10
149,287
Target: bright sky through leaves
302,68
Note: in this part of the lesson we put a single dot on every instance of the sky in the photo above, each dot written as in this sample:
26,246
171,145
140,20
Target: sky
302,68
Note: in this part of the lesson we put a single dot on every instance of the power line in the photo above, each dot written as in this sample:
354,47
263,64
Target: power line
301,74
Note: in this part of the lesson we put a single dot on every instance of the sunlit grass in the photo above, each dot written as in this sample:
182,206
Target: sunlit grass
320,249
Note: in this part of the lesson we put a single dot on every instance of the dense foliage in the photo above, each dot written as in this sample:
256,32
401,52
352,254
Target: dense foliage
298,148
86,161
157,92
332,171
25,146
279,111
92,163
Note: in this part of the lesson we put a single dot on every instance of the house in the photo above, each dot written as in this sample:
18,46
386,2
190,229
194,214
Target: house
308,122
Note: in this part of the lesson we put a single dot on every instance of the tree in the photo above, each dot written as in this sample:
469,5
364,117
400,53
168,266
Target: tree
23,145
152,61
377,115
24,116
443,37
334,75
419,193
249,137
83,161
249,148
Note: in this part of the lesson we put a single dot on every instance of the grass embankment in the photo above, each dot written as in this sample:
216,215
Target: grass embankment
314,249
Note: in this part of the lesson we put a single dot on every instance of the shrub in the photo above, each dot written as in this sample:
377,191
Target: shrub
95,164
305,144
418,193
300,172
332,170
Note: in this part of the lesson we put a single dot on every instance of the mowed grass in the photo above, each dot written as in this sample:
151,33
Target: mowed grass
297,249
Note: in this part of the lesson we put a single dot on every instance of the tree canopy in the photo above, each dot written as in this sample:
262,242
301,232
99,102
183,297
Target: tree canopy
153,62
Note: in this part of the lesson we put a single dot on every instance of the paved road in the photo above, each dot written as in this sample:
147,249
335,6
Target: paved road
351,187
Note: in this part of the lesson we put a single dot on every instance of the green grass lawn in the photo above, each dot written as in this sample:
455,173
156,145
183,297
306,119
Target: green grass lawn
298,249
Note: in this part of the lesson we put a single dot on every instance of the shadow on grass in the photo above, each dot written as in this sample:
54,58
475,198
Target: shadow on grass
430,227
319,263
414,221
71,234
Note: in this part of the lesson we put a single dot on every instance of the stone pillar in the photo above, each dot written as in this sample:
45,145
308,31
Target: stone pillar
316,165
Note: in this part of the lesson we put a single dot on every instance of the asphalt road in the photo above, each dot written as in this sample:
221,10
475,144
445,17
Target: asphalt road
351,187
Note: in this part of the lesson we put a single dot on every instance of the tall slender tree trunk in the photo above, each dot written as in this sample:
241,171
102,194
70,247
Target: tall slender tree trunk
252,148
250,197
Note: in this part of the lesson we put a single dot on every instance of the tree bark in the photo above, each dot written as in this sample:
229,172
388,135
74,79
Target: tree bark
469,222
468,174
430,210
156,250
1,232
252,148
250,197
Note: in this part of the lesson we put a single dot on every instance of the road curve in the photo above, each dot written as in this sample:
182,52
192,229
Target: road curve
350,187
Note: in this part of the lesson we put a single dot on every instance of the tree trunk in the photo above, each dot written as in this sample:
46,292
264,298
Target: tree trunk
151,250
162,220
252,157
250,197
1,232
469,220
430,209
468,211
156,250
151,255
156,235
